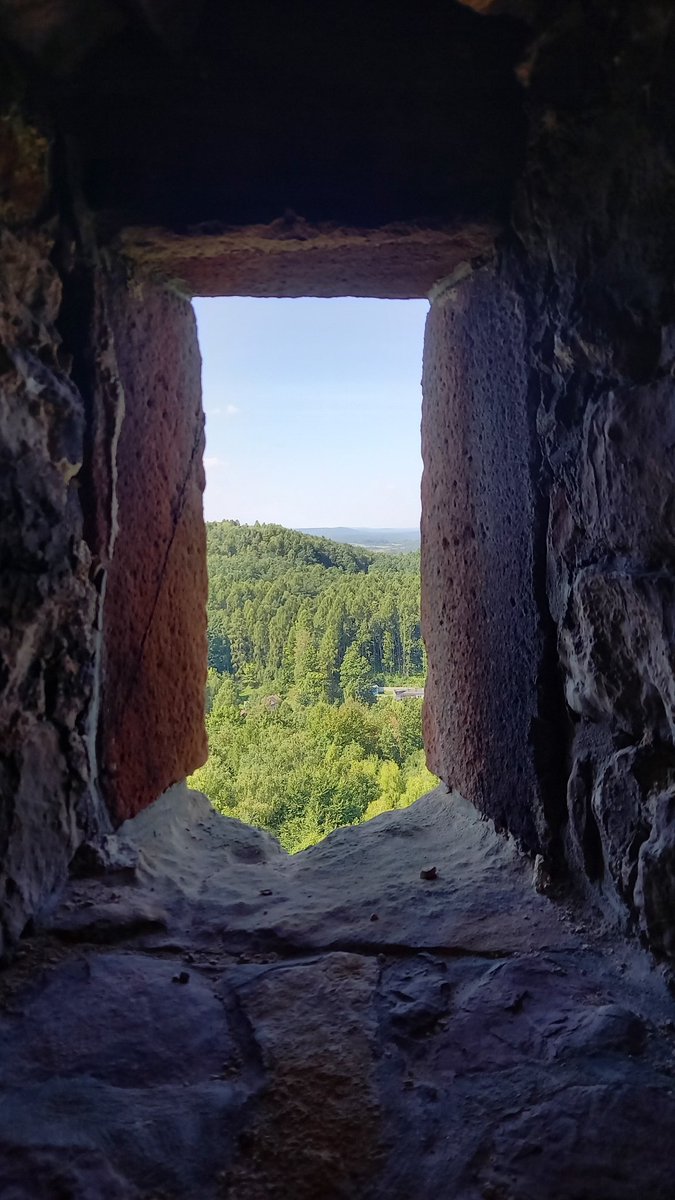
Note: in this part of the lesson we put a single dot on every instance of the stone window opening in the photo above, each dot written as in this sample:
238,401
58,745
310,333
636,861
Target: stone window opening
155,338
312,410
408,1009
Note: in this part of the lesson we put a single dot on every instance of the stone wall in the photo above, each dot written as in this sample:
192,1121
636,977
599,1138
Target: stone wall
576,344
549,535
47,602
480,521
154,616
600,258
102,545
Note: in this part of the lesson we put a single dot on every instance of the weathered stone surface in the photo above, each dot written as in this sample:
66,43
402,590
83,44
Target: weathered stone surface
484,711
584,293
291,257
124,992
592,1137
46,602
621,807
42,1173
601,356
188,139
310,902
655,888
145,1077
104,855
259,1046
24,173
626,474
154,615
618,651
317,1128
64,437
611,542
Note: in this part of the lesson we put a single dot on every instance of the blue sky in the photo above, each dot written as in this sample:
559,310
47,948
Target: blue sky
312,410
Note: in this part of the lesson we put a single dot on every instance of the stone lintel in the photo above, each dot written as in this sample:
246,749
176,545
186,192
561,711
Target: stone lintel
292,257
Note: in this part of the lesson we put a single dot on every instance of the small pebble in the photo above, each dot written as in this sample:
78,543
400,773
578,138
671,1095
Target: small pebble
374,917
184,977
429,873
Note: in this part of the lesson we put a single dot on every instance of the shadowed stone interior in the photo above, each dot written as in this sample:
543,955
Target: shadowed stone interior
214,1017
515,163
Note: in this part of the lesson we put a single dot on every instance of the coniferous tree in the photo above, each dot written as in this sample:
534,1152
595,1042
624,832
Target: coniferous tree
356,676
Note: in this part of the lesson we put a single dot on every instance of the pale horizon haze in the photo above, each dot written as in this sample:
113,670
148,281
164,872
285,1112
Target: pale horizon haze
312,410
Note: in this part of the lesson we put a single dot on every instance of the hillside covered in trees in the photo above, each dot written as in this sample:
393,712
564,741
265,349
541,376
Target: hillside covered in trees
301,629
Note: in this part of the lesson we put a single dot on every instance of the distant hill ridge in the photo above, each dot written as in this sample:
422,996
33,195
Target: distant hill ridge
392,541
257,551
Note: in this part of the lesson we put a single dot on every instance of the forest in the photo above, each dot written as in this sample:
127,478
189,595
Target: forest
301,631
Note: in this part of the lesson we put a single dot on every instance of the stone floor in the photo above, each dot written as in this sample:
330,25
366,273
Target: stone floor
210,1017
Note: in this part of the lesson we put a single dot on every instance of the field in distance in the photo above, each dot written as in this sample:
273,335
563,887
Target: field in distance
388,541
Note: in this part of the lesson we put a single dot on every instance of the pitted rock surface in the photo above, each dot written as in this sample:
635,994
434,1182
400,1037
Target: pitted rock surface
548,547
225,1020
154,617
47,603
479,612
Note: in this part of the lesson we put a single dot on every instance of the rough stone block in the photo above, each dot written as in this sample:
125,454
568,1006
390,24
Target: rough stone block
655,890
620,804
617,650
47,604
154,621
479,609
627,473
